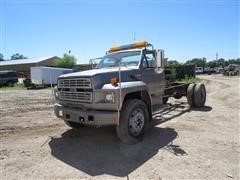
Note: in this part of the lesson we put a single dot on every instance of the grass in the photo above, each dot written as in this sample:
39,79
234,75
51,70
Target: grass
190,80
21,86
17,86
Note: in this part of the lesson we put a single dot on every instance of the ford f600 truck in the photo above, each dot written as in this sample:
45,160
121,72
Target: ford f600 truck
124,90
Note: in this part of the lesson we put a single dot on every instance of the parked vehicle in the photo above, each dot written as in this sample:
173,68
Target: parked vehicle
231,70
47,75
125,89
8,78
209,71
198,70
219,70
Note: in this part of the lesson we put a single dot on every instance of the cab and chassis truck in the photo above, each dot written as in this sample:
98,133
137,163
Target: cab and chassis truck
125,89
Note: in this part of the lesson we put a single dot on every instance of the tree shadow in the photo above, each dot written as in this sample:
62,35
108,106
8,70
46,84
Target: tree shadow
98,151
175,149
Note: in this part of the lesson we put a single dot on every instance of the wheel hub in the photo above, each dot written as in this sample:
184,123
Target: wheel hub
136,121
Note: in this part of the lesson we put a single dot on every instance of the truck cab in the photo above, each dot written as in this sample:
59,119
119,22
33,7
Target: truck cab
122,91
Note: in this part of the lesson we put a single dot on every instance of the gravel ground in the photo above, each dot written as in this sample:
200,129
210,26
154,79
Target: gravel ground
186,143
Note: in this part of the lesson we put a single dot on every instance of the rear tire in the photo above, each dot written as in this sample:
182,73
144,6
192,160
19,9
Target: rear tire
190,95
133,122
199,95
74,125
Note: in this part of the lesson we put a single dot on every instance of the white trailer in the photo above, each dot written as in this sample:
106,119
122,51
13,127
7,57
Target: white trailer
47,75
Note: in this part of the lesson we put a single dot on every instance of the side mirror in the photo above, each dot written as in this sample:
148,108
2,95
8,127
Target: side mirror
159,59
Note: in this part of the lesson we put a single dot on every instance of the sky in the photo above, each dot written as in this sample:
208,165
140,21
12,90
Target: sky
184,29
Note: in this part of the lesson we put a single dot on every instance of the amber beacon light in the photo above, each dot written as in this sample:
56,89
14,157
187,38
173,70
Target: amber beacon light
129,46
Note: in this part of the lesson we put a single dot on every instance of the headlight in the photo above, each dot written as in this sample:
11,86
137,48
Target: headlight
56,94
109,98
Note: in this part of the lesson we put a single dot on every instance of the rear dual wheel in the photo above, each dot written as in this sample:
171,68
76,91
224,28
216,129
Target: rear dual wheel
196,95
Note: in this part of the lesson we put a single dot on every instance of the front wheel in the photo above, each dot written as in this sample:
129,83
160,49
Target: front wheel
133,122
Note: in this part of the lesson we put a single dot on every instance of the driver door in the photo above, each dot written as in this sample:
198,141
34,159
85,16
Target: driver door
154,80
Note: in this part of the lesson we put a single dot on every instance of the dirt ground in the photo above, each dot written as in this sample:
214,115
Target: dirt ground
186,143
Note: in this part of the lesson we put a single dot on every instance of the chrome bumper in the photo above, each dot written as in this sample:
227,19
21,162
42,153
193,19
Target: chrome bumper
89,117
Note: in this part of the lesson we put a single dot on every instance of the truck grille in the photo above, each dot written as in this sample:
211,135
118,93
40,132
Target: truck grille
81,83
76,96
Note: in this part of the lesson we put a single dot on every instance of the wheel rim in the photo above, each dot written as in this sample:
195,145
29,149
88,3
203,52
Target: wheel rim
136,122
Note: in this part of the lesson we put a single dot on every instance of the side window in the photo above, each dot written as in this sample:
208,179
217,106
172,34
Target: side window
144,64
150,60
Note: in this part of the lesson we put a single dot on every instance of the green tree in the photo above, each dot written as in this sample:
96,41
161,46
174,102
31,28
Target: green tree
234,61
212,64
67,61
221,62
200,62
173,63
1,57
18,56
238,61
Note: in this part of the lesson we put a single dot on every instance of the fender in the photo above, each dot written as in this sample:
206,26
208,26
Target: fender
126,88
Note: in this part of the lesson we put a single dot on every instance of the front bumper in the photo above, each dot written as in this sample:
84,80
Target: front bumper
89,117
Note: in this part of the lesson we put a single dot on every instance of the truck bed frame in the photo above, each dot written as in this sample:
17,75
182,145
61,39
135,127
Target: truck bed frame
176,90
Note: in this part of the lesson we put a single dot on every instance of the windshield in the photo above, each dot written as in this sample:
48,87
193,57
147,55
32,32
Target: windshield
127,59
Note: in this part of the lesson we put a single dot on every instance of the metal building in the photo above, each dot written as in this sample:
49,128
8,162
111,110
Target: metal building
24,65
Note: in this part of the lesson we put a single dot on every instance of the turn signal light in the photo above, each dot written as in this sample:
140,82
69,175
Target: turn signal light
114,80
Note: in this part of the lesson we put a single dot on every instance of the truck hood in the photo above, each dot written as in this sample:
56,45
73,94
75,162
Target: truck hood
93,72
102,76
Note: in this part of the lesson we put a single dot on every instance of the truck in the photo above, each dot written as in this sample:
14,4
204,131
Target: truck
199,70
124,90
41,75
8,78
231,70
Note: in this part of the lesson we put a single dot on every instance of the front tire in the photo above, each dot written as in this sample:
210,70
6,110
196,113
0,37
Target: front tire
133,122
